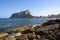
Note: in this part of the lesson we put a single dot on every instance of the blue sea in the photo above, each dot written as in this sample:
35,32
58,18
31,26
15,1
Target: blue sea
17,22
6,24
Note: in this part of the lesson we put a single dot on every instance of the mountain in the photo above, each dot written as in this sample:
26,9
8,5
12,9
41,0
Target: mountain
22,14
27,14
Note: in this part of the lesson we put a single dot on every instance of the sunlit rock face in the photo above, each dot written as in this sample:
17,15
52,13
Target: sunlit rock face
22,14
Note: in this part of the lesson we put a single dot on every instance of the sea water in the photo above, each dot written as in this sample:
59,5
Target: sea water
14,22
6,24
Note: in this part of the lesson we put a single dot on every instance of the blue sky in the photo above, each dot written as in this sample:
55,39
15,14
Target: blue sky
37,7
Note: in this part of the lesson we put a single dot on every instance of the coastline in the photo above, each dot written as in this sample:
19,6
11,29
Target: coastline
47,31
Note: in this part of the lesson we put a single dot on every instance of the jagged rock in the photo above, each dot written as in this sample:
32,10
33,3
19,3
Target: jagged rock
20,37
58,36
30,36
51,22
50,37
22,14
38,37
41,32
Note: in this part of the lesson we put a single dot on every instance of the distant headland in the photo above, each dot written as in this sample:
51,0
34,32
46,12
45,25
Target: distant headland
22,14
27,14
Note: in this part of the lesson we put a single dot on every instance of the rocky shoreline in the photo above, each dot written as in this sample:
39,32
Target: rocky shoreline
49,30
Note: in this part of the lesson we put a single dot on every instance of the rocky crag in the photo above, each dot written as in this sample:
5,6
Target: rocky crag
22,14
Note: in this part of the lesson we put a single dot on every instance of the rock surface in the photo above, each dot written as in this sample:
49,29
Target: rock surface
22,14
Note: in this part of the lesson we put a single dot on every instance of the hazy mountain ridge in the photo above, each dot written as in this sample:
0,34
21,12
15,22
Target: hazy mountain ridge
54,16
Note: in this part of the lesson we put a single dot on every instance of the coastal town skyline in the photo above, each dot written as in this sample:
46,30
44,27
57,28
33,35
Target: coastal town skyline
37,7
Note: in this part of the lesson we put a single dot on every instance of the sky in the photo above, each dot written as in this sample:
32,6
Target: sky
36,7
